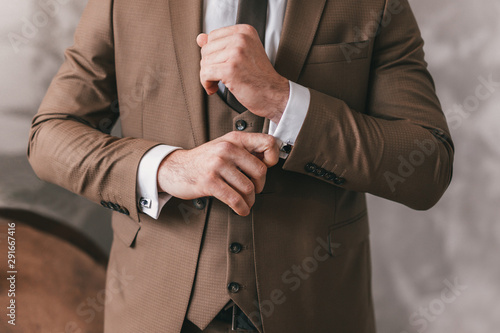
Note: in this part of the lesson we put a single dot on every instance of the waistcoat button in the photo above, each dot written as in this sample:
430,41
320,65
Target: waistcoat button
235,248
241,125
233,287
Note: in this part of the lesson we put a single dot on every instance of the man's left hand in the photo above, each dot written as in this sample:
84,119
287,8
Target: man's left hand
236,56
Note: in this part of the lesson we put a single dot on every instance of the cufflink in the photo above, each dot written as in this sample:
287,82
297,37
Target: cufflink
286,147
146,203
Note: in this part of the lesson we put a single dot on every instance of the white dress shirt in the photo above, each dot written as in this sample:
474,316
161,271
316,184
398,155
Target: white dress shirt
218,14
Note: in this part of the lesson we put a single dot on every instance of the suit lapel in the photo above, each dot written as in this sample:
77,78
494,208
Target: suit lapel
186,19
299,28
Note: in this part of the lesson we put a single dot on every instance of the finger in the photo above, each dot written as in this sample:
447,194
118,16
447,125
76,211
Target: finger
222,56
240,182
211,87
217,45
229,196
260,156
258,143
215,73
253,168
231,30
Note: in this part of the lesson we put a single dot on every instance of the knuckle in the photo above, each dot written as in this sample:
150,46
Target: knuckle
204,73
261,169
217,188
241,40
260,186
211,177
238,53
271,140
233,135
232,67
245,211
216,163
251,202
248,29
248,188
233,200
223,147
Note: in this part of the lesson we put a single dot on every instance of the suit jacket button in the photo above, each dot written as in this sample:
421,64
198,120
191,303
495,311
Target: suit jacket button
235,248
200,203
330,176
339,181
320,172
241,125
233,287
439,134
311,167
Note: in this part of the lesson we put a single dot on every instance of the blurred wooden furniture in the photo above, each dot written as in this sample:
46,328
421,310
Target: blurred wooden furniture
60,280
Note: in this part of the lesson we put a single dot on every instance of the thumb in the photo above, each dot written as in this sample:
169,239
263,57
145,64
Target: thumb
202,40
263,146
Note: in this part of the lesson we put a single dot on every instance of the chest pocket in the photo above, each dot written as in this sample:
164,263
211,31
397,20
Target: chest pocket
328,53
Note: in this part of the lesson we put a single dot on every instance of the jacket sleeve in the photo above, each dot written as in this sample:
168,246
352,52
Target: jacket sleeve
400,148
69,142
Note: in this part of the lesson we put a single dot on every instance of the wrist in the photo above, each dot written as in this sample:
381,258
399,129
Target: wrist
166,166
281,94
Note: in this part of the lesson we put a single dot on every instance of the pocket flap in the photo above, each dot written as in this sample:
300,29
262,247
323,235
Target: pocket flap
338,52
347,234
125,228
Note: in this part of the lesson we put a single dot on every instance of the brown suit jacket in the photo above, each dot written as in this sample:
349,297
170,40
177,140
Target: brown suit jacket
374,125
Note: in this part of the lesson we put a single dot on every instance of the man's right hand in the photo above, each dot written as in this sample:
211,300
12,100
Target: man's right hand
231,168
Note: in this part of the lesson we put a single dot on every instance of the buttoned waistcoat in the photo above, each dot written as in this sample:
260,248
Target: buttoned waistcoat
374,125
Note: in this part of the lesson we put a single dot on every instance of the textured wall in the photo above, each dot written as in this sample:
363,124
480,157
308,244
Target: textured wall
434,271
417,254
31,51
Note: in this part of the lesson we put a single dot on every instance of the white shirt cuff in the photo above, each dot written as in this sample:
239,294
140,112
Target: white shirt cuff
150,201
287,130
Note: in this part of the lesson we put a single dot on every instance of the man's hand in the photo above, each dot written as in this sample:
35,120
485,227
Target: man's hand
226,168
235,56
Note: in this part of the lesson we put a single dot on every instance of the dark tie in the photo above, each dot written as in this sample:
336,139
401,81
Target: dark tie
254,13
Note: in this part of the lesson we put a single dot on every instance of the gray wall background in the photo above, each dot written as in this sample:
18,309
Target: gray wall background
417,256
